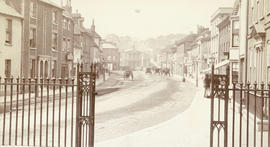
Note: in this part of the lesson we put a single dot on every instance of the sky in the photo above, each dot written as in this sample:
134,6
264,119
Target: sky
144,19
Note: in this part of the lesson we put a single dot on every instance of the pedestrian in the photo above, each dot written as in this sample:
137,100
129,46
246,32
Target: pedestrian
207,86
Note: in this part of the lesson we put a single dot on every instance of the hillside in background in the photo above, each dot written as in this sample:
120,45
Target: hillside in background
127,42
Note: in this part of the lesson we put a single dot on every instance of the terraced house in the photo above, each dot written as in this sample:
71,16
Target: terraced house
42,37
11,23
68,41
258,63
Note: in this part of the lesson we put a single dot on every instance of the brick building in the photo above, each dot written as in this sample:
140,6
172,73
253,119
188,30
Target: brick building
67,42
218,16
258,63
42,37
111,56
183,46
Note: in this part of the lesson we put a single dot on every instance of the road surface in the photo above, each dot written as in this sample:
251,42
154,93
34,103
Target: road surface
144,102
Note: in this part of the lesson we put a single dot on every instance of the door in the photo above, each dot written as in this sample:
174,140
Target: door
64,71
8,68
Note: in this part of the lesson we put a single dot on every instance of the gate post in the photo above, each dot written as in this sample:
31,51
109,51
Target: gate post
78,110
212,106
220,90
92,102
226,99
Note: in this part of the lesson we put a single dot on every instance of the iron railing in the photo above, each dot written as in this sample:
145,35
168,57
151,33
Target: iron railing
48,112
239,113
35,111
252,102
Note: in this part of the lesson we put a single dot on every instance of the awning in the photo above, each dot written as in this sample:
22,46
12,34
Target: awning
221,64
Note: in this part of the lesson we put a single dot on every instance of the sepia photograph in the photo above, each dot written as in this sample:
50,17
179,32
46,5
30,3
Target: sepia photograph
135,73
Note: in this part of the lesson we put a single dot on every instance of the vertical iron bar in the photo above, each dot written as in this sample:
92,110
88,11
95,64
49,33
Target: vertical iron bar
268,114
83,101
54,83
47,113
23,97
0,92
87,101
59,116
35,110
29,104
88,133
83,126
218,109
17,104
255,112
262,104
10,109
212,106
65,142
248,84
233,119
241,114
226,105
4,117
41,109
78,109
72,105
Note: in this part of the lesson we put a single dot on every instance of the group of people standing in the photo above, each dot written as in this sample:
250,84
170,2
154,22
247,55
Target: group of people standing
207,84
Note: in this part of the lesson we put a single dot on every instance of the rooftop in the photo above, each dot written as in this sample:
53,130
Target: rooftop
108,45
7,10
221,11
51,3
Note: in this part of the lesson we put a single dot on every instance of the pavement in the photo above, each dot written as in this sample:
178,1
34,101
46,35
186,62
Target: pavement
188,129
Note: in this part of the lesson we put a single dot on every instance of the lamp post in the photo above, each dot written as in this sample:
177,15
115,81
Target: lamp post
212,61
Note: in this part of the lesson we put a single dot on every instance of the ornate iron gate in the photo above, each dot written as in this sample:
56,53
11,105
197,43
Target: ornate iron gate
85,108
219,96
240,113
